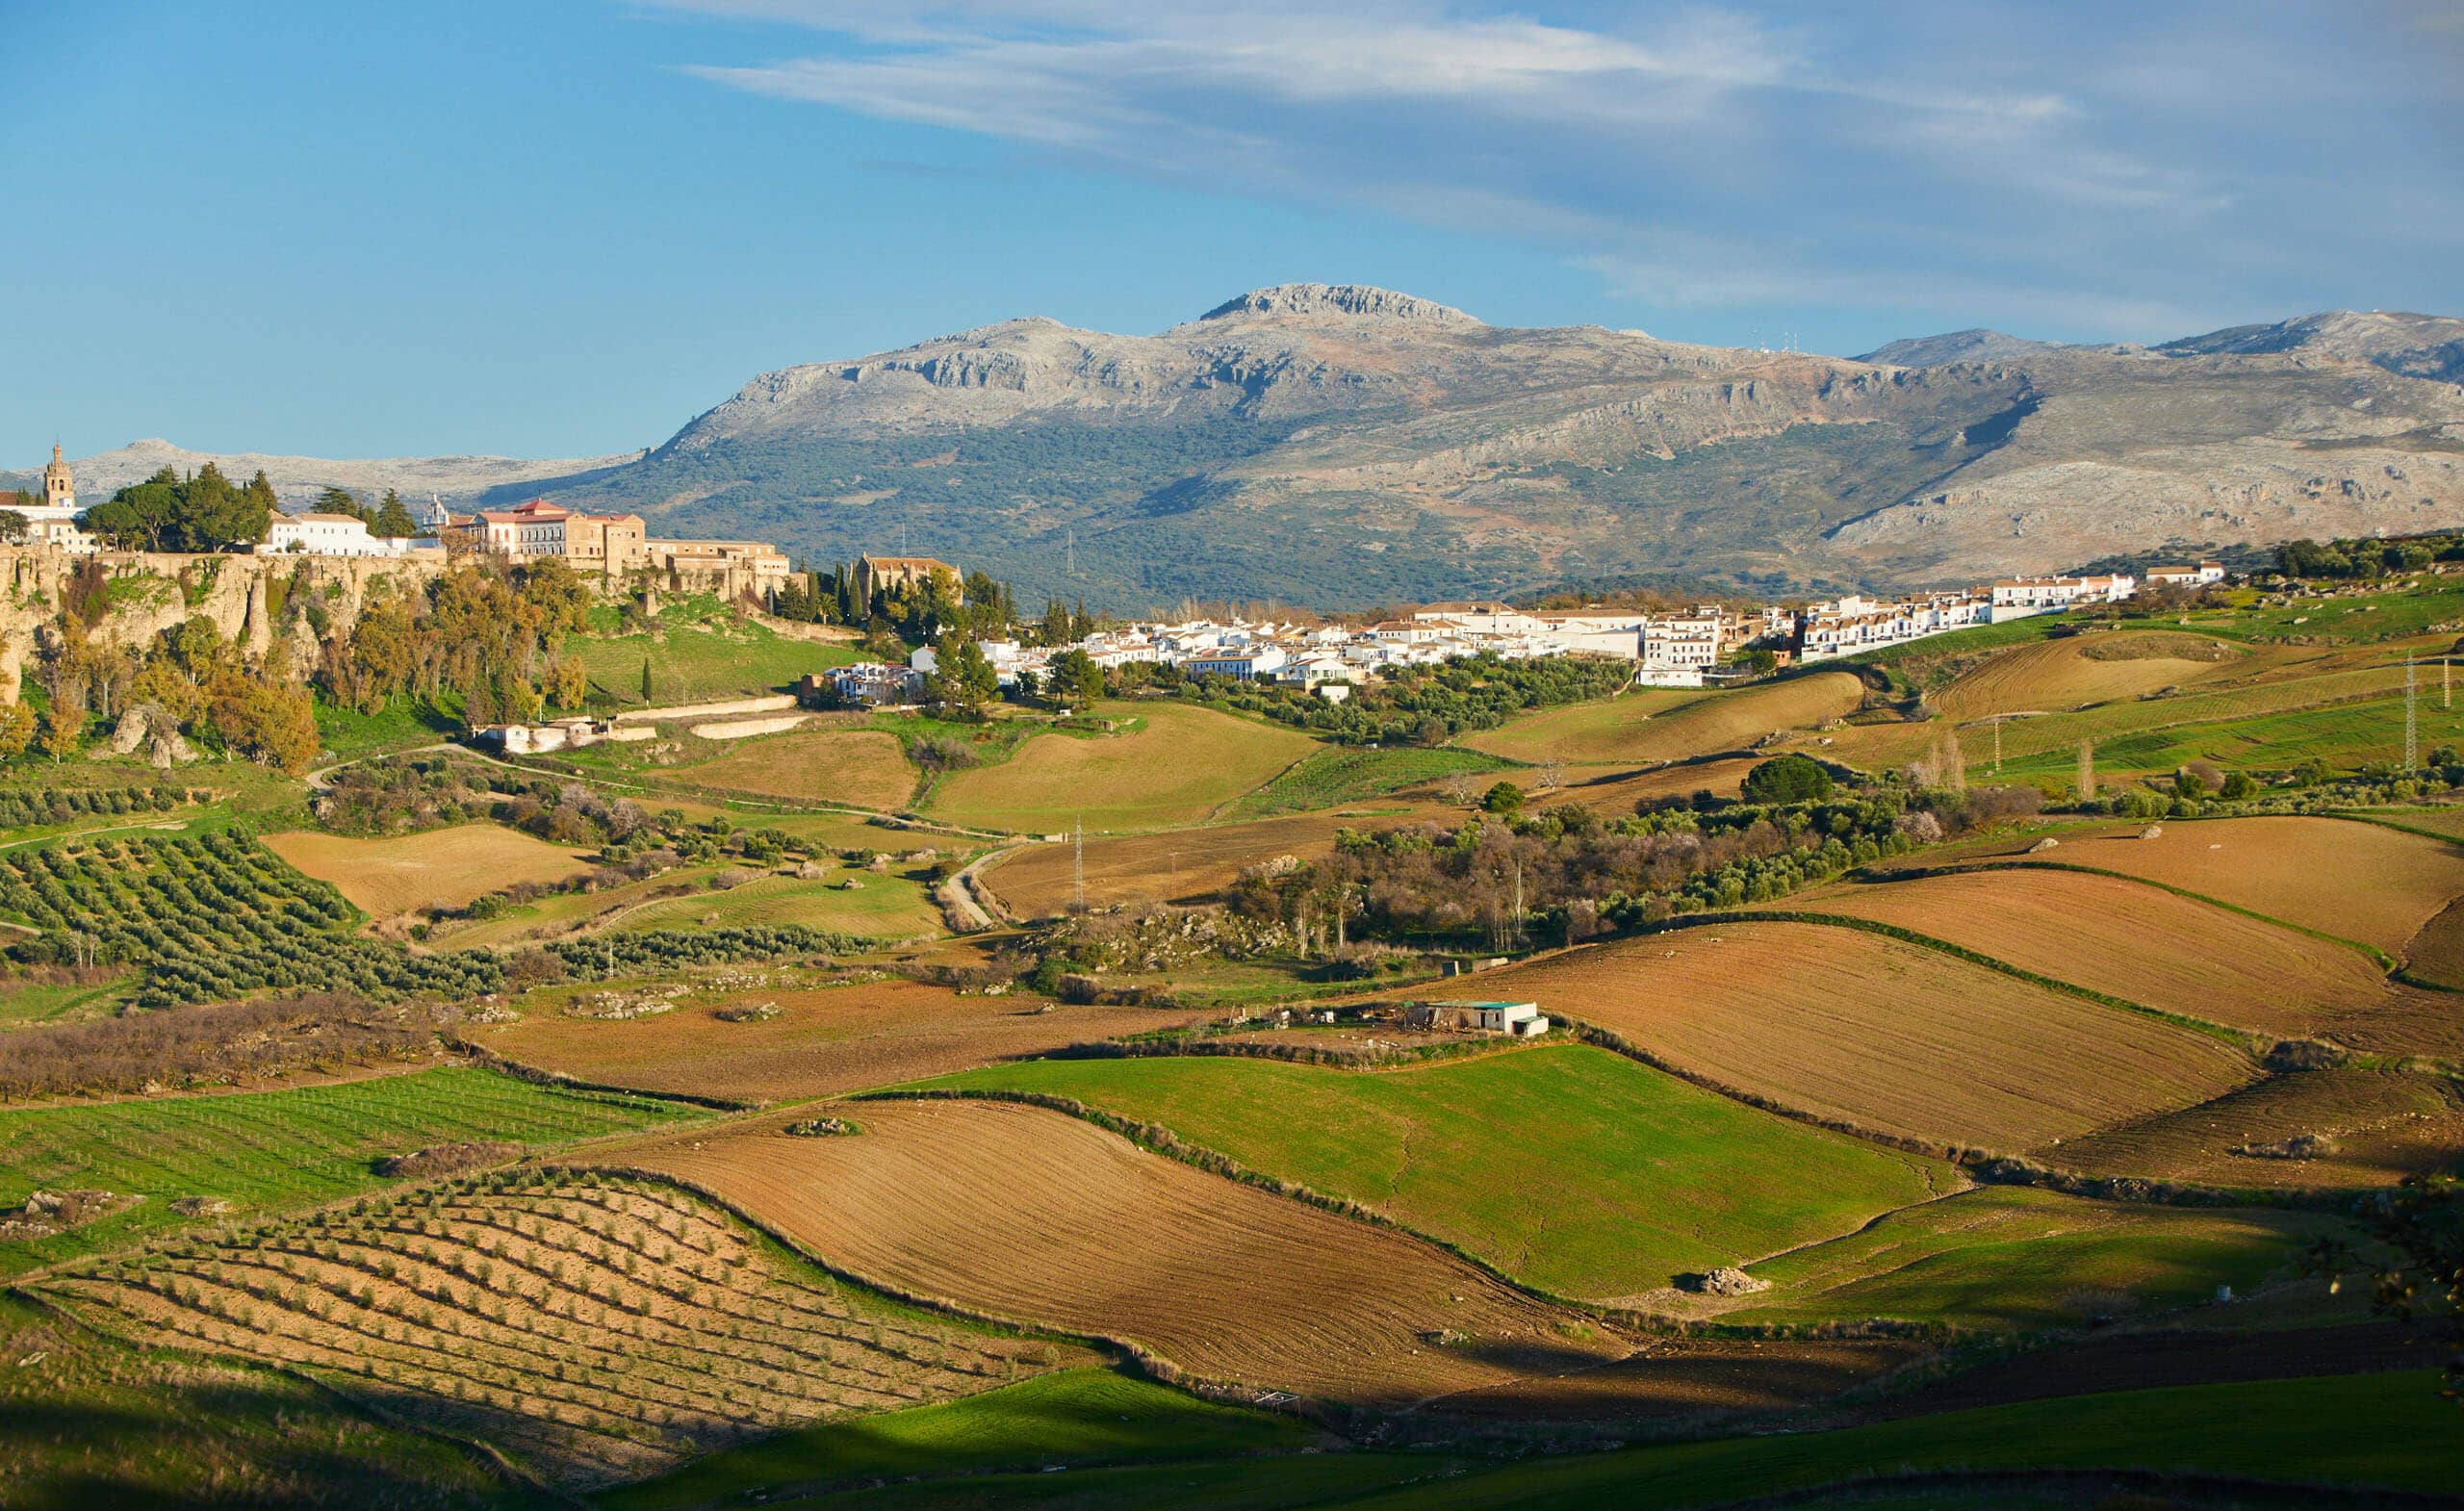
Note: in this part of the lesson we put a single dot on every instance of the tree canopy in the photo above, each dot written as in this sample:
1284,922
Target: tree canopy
205,512
1787,778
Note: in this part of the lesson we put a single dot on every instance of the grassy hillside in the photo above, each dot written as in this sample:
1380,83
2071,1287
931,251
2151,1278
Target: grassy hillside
1178,764
1663,723
2011,1257
1074,1418
88,1422
697,650
1573,1168
269,1150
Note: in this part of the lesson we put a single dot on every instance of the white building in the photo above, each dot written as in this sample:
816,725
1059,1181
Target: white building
329,536
54,521
1246,664
2016,598
2205,574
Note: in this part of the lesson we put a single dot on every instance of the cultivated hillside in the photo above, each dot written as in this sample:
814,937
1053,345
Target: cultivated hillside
1338,443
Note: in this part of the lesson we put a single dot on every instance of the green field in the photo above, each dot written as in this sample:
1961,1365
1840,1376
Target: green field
2407,608
2338,696
882,907
1660,724
24,1002
1075,1418
90,1423
1570,1167
699,651
1172,764
1342,774
2345,735
2003,1256
265,1150
2373,1431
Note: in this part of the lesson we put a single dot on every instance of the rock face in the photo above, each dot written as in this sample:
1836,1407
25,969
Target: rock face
1730,1281
154,592
1341,445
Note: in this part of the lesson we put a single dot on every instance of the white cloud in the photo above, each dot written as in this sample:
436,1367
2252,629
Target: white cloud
2040,161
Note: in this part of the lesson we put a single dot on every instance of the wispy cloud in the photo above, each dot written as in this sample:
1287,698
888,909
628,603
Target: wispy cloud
2084,167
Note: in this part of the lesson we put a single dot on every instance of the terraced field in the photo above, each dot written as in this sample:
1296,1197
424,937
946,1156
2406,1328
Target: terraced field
1181,767
2003,1256
2129,941
2352,880
824,1041
1025,1214
1632,1178
861,768
435,871
596,1328
2381,1126
263,1151
1650,725
1879,1033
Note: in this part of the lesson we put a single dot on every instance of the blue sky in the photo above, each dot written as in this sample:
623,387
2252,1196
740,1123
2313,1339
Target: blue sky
563,227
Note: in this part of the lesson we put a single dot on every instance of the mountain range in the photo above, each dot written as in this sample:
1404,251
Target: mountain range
1339,445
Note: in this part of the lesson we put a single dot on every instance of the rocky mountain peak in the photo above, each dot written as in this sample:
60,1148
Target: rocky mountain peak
1959,345
1329,301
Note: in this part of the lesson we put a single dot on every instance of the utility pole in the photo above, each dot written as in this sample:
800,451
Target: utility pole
2086,768
1078,864
1069,551
1518,899
1997,745
2412,721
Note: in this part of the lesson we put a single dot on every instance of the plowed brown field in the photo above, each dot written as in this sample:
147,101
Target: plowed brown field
2352,880
2133,941
441,868
839,1039
1886,1036
1030,1214
2385,1124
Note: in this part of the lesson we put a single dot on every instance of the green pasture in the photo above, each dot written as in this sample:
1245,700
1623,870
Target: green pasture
2345,737
878,905
1072,1417
267,1150
1343,774
1572,1168
697,655
2368,1431
2055,736
2003,1256
87,1421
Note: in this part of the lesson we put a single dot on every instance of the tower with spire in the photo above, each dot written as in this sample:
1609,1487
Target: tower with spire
59,487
